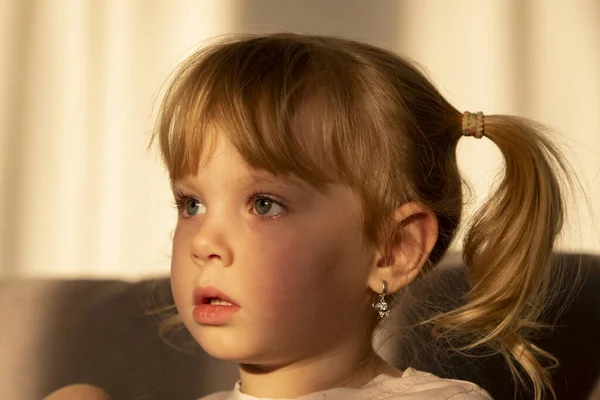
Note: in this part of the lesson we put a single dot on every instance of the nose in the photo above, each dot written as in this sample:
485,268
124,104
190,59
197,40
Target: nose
209,243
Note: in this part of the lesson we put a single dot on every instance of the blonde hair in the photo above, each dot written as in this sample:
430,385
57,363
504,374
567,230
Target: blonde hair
381,127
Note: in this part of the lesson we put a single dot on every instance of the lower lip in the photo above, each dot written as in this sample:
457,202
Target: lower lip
207,314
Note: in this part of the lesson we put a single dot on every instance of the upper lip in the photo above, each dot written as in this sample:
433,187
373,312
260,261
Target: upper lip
203,294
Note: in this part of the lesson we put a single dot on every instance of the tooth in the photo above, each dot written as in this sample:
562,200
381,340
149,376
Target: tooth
220,302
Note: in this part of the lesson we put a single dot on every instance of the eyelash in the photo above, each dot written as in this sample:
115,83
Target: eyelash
181,200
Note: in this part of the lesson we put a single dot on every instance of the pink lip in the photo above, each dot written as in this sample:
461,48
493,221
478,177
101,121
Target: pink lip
203,294
205,313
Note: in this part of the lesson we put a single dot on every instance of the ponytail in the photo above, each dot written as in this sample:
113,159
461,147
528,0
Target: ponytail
508,251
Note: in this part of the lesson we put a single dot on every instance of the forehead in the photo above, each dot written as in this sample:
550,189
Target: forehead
298,140
222,155
291,113
223,162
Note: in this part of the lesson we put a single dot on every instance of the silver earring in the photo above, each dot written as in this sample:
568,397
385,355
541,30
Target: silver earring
381,305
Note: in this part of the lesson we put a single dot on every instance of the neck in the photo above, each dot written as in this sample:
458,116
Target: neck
337,368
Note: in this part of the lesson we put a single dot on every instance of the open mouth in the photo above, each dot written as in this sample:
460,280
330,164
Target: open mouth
215,301
209,295
212,307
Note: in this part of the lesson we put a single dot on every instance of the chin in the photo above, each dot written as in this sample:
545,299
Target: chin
224,343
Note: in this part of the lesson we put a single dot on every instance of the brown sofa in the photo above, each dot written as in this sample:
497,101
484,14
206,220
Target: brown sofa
57,332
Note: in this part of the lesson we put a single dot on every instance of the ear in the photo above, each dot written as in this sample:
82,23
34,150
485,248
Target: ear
414,235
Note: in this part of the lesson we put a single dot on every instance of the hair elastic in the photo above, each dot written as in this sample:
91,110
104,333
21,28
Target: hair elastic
472,124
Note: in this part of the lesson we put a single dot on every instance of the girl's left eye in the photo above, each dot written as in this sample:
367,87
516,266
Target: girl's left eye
266,206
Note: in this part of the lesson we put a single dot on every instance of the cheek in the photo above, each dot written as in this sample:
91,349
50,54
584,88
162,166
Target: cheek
301,273
179,258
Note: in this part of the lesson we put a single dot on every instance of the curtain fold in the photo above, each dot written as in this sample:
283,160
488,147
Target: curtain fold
80,82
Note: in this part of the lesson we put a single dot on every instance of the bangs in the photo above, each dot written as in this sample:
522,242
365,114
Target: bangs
288,107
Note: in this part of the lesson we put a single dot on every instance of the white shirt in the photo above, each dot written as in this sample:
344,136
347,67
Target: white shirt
412,385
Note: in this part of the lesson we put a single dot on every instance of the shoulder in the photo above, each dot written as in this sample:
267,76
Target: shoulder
419,385
78,391
470,395
217,396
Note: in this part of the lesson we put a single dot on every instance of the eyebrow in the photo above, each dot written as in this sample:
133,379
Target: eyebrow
267,178
253,179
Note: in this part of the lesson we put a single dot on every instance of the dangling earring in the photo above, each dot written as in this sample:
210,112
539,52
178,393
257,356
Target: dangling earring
381,305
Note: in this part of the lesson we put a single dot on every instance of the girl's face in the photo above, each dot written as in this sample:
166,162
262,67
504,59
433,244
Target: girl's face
291,257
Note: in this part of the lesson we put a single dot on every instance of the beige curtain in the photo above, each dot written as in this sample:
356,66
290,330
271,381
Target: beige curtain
79,194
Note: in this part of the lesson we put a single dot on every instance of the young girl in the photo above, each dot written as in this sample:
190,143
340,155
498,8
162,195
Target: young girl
315,178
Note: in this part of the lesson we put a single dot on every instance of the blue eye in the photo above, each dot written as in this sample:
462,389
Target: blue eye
187,205
263,204
191,206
